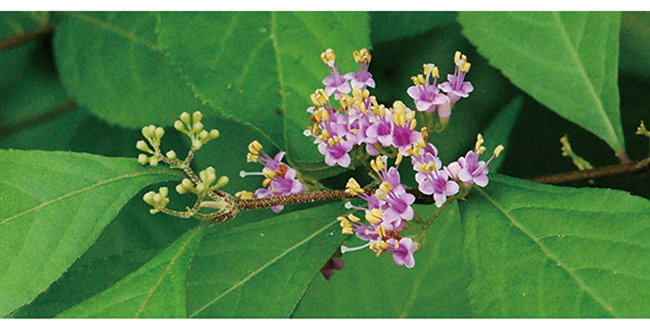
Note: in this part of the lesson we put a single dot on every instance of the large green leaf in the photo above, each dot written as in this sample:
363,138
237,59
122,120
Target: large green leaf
53,206
377,287
111,64
17,23
387,25
157,289
567,61
542,251
260,68
262,269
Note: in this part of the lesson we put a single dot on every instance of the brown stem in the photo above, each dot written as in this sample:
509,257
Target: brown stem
64,108
602,172
25,37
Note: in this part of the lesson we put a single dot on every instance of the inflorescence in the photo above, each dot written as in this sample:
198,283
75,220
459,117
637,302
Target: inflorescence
358,121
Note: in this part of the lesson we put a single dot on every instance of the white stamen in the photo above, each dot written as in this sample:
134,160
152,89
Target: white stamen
243,174
345,249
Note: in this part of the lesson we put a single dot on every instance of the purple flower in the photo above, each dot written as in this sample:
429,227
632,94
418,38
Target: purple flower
427,96
363,78
402,251
456,87
436,183
469,170
335,83
279,177
336,151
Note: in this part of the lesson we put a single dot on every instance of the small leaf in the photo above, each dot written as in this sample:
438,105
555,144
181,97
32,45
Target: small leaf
157,289
53,206
376,287
541,251
567,61
262,67
111,64
262,269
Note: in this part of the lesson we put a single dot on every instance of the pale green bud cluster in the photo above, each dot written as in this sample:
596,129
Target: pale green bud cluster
153,134
208,177
158,200
192,127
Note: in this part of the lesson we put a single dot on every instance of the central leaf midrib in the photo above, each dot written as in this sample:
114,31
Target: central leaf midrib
546,252
583,73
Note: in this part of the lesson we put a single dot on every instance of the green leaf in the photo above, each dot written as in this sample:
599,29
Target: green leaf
567,61
262,269
111,64
262,67
17,23
635,43
376,287
541,251
157,289
386,25
53,206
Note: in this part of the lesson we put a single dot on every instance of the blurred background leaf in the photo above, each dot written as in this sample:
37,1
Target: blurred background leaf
111,64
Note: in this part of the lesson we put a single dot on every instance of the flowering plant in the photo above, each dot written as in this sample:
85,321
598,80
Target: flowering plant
281,164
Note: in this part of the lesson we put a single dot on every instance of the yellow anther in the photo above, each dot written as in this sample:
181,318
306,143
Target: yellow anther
362,56
425,135
374,216
479,141
320,97
345,224
384,187
457,56
251,158
399,159
381,231
353,218
413,123
328,56
498,150
377,164
244,194
353,187
415,80
465,67
325,135
255,147
346,101
268,173
379,247
396,244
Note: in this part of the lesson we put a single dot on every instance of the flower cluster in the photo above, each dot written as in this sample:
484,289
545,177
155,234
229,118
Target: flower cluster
279,178
389,207
361,120
392,131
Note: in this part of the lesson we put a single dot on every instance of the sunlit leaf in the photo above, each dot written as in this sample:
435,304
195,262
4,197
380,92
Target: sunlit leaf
262,269
54,205
541,251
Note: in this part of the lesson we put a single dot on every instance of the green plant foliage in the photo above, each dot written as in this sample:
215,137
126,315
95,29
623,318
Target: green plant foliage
390,291
77,240
567,61
267,269
112,64
542,251
17,23
265,78
51,217
157,289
